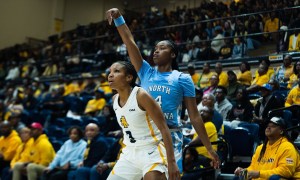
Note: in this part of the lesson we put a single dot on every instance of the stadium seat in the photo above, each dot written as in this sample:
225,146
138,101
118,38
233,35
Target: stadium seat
241,144
253,129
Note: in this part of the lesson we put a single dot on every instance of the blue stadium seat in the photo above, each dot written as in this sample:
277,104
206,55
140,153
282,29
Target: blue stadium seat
241,144
253,129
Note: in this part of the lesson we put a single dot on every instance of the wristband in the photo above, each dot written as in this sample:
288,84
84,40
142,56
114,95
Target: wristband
119,21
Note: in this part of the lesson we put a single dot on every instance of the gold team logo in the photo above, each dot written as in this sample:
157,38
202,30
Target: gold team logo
124,122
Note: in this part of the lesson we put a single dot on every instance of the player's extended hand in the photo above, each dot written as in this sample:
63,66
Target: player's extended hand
215,159
173,171
112,14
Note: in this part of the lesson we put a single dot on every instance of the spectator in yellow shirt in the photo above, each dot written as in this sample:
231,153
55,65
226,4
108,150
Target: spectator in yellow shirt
293,96
206,114
9,142
195,76
293,81
205,76
261,79
94,106
272,25
70,87
22,153
41,154
223,77
104,85
245,76
266,62
276,157
294,43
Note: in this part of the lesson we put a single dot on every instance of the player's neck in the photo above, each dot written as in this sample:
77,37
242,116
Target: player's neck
124,95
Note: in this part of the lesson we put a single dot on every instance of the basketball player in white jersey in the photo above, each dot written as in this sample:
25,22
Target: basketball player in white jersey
144,127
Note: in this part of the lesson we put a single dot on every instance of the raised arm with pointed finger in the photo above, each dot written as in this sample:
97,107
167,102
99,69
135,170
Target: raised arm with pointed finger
127,37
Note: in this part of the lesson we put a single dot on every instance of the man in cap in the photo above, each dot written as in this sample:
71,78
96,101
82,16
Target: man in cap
41,154
9,142
276,158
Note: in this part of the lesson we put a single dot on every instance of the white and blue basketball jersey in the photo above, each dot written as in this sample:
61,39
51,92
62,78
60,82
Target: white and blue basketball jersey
168,89
138,128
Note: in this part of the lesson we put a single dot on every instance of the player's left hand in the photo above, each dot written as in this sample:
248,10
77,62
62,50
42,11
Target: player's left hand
173,171
215,159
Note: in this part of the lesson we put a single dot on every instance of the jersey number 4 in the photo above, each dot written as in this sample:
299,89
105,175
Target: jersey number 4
158,100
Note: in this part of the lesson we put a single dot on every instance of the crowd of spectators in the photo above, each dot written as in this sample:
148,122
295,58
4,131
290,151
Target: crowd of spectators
92,47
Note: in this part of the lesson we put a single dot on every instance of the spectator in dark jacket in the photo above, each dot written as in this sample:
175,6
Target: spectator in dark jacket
94,152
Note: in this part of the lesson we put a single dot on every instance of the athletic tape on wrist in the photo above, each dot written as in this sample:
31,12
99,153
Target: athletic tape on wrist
119,21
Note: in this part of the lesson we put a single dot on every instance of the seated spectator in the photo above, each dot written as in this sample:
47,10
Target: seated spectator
50,70
223,77
294,43
293,79
233,86
70,86
94,152
245,76
209,101
195,76
293,96
260,80
15,121
214,80
22,154
266,62
226,50
239,49
242,110
222,105
205,51
9,142
217,42
194,52
206,115
111,123
283,72
29,102
282,44
89,87
263,106
68,157
41,154
106,164
104,85
276,156
94,106
205,76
